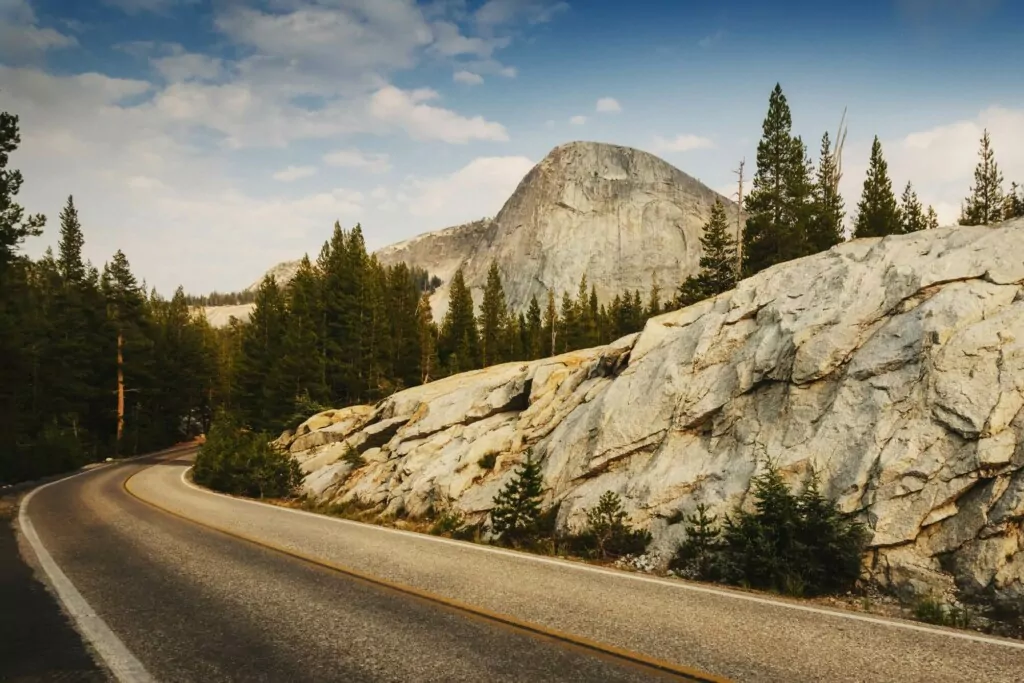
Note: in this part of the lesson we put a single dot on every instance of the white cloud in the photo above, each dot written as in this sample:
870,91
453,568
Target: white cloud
940,161
608,105
549,123
681,143
495,13
578,120
509,72
353,158
155,6
449,42
709,40
21,37
467,78
407,110
187,66
291,173
476,190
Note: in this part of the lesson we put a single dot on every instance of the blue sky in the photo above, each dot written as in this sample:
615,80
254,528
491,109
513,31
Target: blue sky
210,139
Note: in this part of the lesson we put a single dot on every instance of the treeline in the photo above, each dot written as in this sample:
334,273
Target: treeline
221,299
348,330
71,333
795,208
425,282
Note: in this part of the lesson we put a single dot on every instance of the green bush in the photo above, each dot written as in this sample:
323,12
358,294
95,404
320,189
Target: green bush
934,611
698,554
244,463
448,523
488,461
607,534
790,544
516,511
352,457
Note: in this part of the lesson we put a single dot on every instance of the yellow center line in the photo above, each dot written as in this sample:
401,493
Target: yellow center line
687,673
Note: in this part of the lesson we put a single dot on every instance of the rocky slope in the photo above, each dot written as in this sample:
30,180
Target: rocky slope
892,367
624,217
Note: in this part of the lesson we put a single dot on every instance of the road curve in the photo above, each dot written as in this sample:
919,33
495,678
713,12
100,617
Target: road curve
176,601
193,603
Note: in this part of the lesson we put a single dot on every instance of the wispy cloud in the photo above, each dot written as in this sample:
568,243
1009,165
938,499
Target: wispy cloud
292,173
578,120
682,143
709,40
353,158
467,78
608,105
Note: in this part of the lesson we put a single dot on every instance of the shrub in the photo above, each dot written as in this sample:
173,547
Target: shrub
488,461
790,544
698,555
607,534
448,523
516,511
353,457
941,613
304,407
244,463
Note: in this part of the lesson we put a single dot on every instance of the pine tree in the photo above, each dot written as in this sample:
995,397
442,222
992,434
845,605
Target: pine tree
697,556
551,325
534,330
654,301
303,365
717,273
15,226
516,508
569,328
911,212
459,344
877,213
779,206
69,249
263,399
1013,204
376,334
985,205
426,332
933,218
826,228
493,313
403,302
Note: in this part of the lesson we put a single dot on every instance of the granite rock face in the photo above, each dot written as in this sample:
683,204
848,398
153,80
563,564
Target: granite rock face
623,217
893,367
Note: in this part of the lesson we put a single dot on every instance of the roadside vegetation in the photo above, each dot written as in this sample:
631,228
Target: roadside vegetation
795,544
244,463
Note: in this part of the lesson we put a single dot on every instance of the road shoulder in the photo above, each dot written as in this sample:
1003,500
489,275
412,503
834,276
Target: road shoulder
37,639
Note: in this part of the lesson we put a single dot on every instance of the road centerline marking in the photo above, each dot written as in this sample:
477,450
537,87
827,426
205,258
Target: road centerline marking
594,646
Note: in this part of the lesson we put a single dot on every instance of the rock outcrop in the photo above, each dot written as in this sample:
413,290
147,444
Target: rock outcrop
625,218
894,368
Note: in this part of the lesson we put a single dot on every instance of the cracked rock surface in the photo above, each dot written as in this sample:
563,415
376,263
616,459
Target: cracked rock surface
894,368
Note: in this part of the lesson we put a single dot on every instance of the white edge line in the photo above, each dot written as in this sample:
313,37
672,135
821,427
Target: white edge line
118,658
680,585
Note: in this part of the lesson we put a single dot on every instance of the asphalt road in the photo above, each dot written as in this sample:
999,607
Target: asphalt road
192,603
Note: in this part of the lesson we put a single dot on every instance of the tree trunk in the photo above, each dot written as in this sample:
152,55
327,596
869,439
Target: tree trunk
120,391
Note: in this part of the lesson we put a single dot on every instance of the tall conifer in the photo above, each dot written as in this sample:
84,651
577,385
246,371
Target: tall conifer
827,225
911,211
985,205
877,213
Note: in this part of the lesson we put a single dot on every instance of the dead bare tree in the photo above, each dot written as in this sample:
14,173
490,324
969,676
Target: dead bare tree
739,220
838,155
